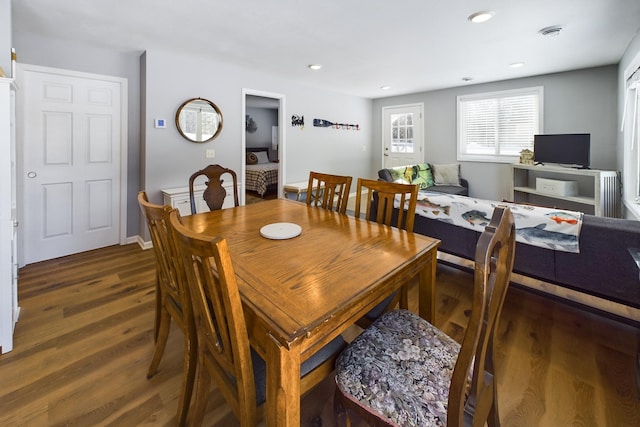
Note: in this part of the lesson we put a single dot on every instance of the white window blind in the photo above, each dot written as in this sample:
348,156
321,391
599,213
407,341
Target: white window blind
497,126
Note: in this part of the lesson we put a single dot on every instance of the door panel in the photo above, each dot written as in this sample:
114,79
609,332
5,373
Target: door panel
402,139
72,128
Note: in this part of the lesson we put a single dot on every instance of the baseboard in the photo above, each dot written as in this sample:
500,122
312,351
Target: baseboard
571,295
141,242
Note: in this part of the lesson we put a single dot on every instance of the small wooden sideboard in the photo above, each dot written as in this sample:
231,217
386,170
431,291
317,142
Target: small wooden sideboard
179,198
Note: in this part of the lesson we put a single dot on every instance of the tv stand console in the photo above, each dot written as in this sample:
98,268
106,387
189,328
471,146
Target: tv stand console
598,190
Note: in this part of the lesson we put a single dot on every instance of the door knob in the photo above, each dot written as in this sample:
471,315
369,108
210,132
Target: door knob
32,174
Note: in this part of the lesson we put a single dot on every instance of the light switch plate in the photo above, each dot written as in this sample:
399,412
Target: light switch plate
210,153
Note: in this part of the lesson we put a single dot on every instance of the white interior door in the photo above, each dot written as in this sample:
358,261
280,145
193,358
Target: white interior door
72,131
402,139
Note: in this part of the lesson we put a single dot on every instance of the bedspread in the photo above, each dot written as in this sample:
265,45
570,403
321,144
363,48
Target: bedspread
258,177
543,227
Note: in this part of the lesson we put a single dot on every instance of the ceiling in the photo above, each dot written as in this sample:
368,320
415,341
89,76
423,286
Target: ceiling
408,45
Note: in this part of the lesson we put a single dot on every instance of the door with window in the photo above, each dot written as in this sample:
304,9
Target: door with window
402,140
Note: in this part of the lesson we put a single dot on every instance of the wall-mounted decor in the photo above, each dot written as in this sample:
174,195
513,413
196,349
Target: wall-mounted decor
297,120
250,125
321,123
199,120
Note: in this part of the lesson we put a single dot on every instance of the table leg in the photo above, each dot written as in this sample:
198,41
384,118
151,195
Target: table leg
283,385
427,289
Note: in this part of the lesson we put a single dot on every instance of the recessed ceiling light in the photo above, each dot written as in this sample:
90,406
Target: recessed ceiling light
551,31
467,79
385,87
517,65
479,17
315,67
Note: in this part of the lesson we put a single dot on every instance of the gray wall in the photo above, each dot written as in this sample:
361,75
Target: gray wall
576,101
169,159
265,119
160,81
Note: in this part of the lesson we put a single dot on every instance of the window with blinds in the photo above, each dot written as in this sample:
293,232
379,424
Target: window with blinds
496,126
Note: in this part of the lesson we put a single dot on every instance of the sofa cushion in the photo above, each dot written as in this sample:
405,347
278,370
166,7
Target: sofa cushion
458,190
448,175
604,267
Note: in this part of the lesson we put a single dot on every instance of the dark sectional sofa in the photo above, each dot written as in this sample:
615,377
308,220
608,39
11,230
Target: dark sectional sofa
604,267
461,190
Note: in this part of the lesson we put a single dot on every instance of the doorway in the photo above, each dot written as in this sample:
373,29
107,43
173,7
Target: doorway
264,131
72,157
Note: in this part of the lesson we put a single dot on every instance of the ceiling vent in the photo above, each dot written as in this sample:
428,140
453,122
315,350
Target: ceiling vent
551,31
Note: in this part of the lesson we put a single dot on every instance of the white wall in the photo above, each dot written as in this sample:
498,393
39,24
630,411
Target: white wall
169,159
582,101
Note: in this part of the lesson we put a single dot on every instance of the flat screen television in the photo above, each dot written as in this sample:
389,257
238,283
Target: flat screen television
569,149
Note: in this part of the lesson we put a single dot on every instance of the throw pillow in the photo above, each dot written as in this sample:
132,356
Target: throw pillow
252,159
262,157
424,176
401,181
447,174
417,174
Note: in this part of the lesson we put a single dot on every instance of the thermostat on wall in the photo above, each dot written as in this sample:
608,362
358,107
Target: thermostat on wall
159,123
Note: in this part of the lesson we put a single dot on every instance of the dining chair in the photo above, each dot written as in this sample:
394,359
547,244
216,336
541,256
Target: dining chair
325,189
386,193
172,301
224,352
215,193
383,194
404,371
143,200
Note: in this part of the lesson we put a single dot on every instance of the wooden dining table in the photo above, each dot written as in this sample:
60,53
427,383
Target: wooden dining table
300,293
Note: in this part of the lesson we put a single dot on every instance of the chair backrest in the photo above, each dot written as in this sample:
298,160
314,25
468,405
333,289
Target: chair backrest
215,193
386,193
158,223
493,264
324,190
222,332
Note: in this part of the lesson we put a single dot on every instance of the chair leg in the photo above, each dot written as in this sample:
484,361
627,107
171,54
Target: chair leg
493,420
156,323
203,383
404,296
188,377
340,413
161,343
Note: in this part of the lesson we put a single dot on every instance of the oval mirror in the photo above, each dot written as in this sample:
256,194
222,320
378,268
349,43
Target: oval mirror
199,120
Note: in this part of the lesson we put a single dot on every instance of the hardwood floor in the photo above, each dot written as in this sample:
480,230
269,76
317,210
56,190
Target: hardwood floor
85,338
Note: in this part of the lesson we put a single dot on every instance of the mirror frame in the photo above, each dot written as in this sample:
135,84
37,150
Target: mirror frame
215,108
